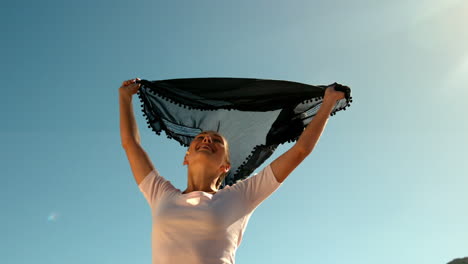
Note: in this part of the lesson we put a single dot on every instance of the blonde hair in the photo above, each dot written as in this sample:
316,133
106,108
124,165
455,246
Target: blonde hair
228,161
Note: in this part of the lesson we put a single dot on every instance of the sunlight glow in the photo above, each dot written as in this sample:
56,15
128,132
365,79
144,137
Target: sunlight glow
429,9
193,201
457,79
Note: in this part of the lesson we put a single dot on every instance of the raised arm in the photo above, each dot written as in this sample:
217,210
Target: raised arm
288,161
140,163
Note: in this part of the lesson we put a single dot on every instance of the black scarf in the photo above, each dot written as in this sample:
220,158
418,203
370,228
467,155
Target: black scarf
254,115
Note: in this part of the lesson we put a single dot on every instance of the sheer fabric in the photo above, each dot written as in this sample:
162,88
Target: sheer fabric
254,115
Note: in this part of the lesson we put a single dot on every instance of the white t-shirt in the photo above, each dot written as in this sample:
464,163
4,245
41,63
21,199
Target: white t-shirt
200,227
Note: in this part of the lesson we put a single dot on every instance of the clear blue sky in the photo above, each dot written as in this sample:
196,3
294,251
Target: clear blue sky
386,184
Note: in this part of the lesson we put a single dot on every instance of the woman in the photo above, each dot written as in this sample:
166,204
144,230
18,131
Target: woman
204,224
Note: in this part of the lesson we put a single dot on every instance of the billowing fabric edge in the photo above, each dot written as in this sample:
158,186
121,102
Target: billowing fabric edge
257,149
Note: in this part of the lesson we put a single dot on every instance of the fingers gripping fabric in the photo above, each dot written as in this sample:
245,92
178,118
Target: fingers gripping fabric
254,115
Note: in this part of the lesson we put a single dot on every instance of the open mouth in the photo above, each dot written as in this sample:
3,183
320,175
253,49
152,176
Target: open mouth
205,147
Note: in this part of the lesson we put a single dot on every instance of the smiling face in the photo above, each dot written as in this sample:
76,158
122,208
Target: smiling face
210,144
209,141
210,149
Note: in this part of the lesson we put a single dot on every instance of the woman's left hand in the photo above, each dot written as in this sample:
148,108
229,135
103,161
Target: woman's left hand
332,94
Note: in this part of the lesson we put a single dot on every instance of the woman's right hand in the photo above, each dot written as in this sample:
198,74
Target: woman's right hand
129,87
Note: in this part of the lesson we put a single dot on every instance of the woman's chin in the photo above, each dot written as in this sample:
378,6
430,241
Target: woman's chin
205,157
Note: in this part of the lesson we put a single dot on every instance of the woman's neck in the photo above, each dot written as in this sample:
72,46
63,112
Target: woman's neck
201,180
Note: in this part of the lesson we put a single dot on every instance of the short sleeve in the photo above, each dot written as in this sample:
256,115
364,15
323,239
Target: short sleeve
255,189
154,186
